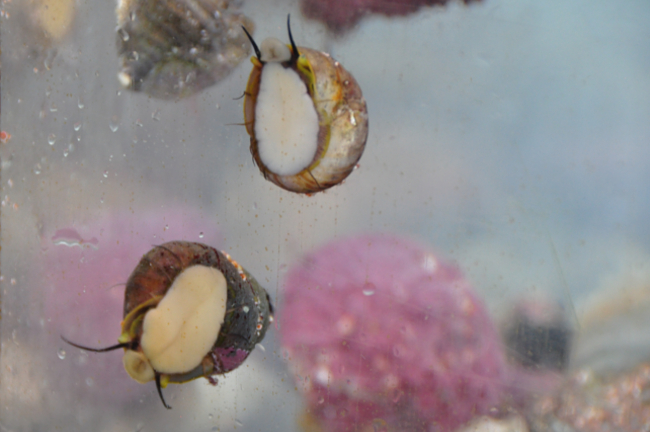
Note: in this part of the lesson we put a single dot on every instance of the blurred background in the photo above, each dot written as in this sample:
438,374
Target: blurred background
511,137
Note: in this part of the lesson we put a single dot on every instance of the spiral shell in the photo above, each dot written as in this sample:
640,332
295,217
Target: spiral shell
190,311
170,49
334,144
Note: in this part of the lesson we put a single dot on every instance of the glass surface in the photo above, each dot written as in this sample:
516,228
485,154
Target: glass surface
508,137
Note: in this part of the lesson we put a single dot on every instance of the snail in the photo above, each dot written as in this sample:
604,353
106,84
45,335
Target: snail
190,311
170,49
305,114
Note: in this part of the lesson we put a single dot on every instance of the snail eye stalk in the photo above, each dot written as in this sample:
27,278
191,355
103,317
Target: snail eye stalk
110,348
257,50
294,49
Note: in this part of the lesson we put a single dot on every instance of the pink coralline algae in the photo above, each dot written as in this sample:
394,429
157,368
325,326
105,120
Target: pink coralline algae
85,269
340,15
383,335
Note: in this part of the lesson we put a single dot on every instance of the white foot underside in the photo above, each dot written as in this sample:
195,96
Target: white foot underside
286,122
183,327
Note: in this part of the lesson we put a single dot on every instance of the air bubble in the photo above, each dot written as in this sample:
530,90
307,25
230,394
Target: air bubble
123,34
51,139
369,289
61,353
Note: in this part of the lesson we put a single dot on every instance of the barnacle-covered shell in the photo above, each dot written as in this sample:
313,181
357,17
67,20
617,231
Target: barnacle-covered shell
174,48
342,121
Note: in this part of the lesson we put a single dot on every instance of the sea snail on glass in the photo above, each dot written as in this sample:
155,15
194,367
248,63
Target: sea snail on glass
190,311
305,114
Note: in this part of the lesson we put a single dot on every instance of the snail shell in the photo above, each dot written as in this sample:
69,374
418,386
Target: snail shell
170,49
306,117
190,311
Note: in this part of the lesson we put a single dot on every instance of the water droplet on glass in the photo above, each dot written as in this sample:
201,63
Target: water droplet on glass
106,174
156,115
113,125
254,206
238,423
210,416
10,182
49,58
245,309
368,289
51,139
429,263
80,103
260,347
89,382
166,227
77,126
217,106
61,353
321,400
396,351
201,234
123,34
215,429
140,426
69,150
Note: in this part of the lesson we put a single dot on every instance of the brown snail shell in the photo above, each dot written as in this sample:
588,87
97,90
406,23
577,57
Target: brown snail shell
190,311
341,112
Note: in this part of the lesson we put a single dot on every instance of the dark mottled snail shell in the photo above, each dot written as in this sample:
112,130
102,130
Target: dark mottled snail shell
306,117
174,48
190,311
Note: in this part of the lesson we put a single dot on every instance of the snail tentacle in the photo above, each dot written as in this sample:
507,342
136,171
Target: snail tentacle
257,50
294,49
110,348
160,391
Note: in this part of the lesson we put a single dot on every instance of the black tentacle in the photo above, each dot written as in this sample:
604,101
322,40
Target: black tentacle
294,49
160,391
257,50
110,348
